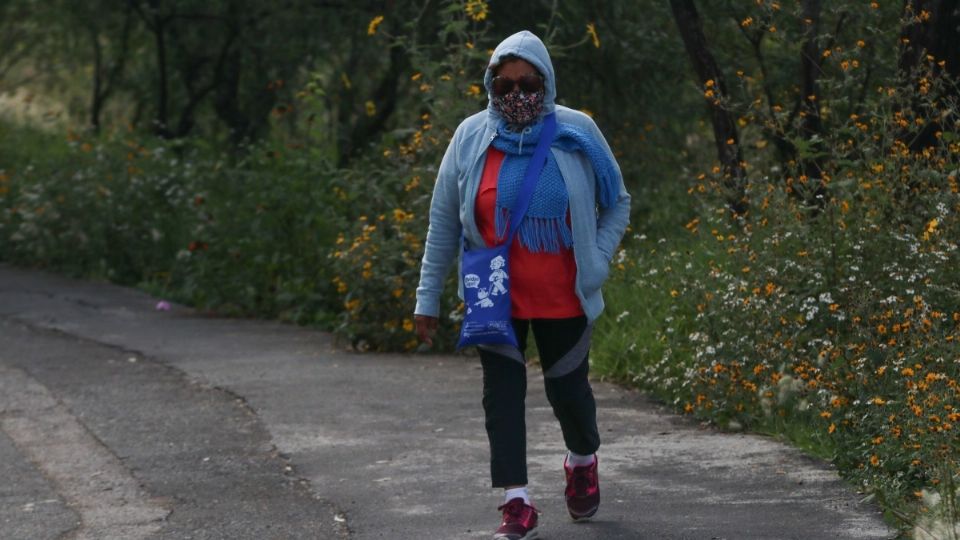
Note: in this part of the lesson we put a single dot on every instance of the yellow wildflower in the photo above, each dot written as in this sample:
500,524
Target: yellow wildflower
592,32
374,23
412,184
931,228
477,9
400,216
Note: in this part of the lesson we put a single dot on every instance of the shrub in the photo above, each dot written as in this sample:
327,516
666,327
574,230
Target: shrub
243,234
832,318
377,258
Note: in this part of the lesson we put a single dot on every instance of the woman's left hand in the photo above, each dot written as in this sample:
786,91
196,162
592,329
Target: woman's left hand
426,328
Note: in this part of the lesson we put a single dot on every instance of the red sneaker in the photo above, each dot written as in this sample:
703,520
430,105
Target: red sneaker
583,490
519,521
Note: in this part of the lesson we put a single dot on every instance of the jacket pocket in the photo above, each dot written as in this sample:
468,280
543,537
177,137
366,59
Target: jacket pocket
596,269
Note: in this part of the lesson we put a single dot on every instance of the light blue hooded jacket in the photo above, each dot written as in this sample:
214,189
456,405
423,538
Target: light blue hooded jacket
596,231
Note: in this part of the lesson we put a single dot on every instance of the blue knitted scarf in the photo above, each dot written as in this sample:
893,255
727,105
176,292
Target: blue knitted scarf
544,227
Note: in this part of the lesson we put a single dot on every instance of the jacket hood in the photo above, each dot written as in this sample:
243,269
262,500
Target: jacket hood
526,45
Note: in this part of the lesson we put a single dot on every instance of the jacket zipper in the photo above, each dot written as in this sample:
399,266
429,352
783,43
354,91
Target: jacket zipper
476,188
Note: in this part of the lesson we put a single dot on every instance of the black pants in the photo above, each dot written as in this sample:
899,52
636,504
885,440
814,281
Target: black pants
564,346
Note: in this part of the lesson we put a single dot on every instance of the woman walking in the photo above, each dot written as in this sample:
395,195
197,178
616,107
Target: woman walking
577,214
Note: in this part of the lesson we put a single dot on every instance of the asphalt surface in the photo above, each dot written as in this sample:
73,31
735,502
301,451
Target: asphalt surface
121,421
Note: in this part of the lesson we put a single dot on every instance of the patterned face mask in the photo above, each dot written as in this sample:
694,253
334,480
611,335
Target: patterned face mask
520,108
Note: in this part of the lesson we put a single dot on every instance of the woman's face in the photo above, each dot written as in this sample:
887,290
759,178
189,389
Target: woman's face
518,91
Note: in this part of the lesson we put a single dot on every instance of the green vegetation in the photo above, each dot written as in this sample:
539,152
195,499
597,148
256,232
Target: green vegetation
792,265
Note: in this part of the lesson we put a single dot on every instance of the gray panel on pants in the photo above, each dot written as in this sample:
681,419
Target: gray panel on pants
573,358
508,351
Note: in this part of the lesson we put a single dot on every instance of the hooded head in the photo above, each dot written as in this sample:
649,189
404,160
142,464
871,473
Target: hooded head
527,46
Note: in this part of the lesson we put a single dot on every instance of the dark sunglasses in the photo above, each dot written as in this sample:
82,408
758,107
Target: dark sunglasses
529,84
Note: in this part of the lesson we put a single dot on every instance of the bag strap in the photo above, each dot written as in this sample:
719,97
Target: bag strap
534,168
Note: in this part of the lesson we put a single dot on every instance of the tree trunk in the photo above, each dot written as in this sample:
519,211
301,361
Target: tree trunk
811,125
227,102
710,77
934,29
345,105
104,84
95,102
158,27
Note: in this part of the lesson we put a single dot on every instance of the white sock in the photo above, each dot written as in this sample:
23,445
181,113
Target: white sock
510,494
576,460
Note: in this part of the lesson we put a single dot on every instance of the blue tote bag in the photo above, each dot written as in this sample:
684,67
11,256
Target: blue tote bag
485,271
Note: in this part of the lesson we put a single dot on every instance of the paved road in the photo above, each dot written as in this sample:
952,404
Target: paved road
120,421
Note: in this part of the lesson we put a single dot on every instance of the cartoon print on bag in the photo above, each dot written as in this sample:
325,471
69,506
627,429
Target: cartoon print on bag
470,281
498,275
485,301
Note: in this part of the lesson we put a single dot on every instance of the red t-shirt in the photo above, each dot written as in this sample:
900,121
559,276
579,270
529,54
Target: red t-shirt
542,285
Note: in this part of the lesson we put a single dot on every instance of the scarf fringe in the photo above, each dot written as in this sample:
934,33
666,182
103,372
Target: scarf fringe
539,235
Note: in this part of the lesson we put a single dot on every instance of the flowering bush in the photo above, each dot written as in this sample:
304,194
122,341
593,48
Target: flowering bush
46,206
240,234
376,260
377,255
832,316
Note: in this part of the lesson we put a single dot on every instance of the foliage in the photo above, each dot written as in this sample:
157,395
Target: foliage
833,320
242,235
378,255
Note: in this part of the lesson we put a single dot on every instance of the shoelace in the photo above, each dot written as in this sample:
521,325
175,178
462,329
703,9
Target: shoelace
582,482
513,510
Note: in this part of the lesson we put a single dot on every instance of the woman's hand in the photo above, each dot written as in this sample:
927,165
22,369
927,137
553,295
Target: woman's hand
426,327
